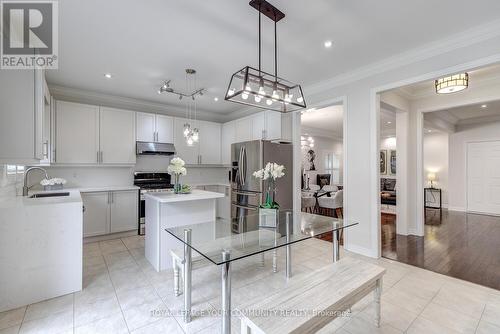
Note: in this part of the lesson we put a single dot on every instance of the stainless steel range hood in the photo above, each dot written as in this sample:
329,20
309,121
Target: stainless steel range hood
151,148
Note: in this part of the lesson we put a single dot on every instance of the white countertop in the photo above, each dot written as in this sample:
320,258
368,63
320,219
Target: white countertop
106,188
23,201
195,195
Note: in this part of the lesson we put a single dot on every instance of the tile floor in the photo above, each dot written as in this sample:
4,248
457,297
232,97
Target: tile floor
121,289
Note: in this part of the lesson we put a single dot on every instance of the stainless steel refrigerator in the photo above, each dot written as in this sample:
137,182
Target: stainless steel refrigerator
248,192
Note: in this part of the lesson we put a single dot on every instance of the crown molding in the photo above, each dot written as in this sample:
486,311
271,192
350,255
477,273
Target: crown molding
460,40
90,97
478,120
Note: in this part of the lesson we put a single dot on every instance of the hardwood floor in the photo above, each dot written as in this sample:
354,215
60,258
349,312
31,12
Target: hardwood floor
465,246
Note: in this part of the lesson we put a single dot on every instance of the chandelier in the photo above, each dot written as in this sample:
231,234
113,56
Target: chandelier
254,87
452,84
191,132
306,143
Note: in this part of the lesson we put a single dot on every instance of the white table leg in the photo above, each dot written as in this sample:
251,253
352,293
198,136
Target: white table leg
377,295
187,276
226,294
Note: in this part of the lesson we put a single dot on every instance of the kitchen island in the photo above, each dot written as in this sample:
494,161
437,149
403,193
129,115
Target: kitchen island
166,210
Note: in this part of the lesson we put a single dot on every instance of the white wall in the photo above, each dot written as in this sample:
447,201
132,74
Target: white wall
436,161
323,145
457,163
464,51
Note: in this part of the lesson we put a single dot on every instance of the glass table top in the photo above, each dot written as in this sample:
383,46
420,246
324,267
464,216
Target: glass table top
255,233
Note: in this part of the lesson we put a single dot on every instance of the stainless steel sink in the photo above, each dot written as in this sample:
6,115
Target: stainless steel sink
42,195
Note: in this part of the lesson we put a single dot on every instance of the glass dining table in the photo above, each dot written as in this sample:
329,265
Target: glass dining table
224,241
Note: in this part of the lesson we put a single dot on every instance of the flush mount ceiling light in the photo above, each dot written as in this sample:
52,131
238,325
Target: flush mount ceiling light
328,44
260,89
108,75
452,84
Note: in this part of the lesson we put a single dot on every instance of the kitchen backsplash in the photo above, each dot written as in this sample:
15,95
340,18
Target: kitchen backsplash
122,176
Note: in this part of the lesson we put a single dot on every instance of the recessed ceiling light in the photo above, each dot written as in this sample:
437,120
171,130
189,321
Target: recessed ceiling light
216,99
108,75
429,131
484,106
328,44
389,122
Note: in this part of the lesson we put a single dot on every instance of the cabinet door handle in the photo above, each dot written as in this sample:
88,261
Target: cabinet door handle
83,208
102,159
97,156
201,159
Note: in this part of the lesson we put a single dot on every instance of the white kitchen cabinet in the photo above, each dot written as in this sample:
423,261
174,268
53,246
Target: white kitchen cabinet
244,129
109,212
146,127
117,136
287,127
164,129
207,151
154,128
124,206
96,215
273,125
228,137
21,116
209,145
258,126
77,133
187,153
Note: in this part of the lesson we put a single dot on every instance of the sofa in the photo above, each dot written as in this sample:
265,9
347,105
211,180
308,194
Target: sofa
388,191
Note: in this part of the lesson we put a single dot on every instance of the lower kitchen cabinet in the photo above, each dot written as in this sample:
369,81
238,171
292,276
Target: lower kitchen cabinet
95,213
124,206
109,212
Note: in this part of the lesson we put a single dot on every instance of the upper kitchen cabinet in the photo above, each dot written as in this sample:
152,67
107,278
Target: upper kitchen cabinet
155,128
244,130
273,125
228,138
207,151
265,125
77,133
22,116
117,136
210,151
146,127
88,134
164,129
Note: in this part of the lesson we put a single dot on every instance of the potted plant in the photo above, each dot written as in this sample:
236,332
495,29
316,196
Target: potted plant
176,169
268,211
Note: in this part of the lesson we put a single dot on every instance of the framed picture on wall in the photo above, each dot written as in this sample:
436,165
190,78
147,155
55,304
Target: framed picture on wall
392,162
383,162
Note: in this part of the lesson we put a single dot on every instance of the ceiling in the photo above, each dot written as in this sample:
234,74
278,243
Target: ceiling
327,120
141,44
461,114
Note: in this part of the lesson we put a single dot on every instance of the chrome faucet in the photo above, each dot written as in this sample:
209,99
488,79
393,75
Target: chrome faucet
26,172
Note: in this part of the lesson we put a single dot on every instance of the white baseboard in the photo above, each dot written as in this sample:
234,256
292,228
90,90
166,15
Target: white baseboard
456,208
361,250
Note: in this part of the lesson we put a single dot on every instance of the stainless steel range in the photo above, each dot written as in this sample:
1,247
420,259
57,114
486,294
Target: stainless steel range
150,182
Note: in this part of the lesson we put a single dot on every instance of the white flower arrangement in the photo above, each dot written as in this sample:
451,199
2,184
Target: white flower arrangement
176,167
272,170
53,182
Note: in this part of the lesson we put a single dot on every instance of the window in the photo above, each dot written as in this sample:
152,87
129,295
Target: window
332,166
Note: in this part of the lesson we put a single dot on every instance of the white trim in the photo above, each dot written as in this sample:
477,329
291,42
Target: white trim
376,242
485,61
360,250
456,208
320,133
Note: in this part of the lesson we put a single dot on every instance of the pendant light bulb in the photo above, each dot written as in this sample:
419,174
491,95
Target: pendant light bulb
187,129
244,96
248,88
269,102
257,98
230,92
300,99
196,135
262,92
190,141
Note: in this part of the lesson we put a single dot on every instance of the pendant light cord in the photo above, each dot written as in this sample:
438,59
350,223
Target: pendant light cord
275,54
259,41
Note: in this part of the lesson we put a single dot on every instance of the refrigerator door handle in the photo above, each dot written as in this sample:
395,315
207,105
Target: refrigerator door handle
240,167
244,162
253,208
246,193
